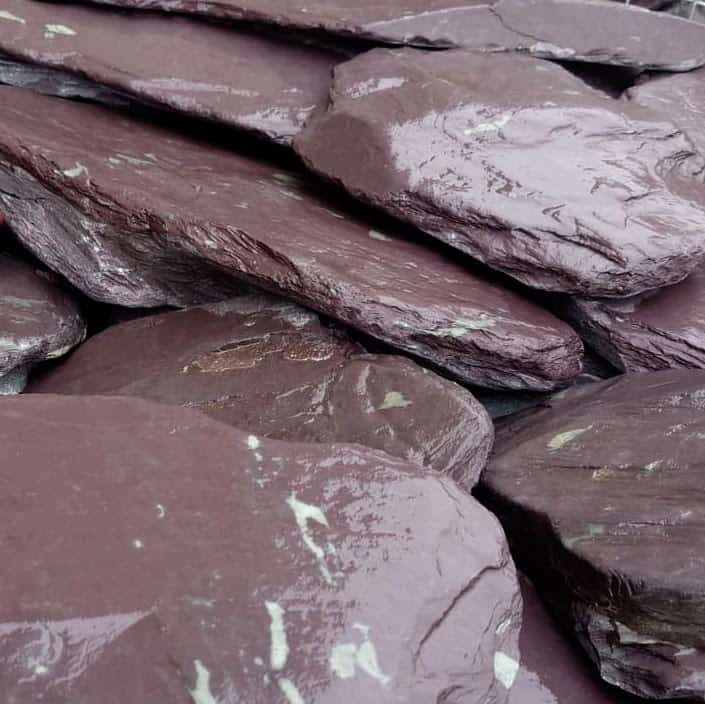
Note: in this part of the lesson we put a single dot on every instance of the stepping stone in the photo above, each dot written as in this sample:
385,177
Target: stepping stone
601,495
38,321
660,329
273,368
157,551
471,149
136,215
259,84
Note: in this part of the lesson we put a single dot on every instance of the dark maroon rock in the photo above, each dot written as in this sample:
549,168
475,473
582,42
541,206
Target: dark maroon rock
158,552
601,495
272,368
660,329
263,85
598,32
472,149
38,320
681,98
137,215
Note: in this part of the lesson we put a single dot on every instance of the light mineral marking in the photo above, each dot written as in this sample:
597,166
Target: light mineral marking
505,669
5,15
290,691
394,399
304,513
201,693
562,439
60,29
345,658
279,648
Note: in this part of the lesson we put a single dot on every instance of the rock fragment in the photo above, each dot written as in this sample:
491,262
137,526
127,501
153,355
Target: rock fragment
207,565
471,149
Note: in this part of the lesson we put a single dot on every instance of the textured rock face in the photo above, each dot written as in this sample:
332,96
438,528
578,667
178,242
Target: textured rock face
657,330
272,368
681,98
38,320
268,87
225,568
601,497
600,32
471,148
137,216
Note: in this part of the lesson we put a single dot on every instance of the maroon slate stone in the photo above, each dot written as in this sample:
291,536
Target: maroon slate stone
137,215
272,368
159,553
601,495
262,85
681,98
472,149
38,320
660,329
584,30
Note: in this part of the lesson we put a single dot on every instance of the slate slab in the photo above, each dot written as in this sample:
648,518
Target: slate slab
272,367
660,329
136,215
38,320
182,558
472,149
601,495
260,84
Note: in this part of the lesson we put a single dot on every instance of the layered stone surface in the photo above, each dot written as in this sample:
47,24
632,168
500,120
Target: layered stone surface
600,493
139,216
271,367
181,560
261,84
471,148
38,320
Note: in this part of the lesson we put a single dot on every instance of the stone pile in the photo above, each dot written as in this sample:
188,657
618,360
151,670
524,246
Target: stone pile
315,319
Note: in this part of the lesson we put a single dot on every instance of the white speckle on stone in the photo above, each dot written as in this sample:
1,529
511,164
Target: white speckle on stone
493,126
76,171
161,511
40,670
137,544
59,29
373,234
252,442
290,691
394,399
279,648
201,693
562,439
462,327
259,662
304,513
345,658
505,669
502,628
5,15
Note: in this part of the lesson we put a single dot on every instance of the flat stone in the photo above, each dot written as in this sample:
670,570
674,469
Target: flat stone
584,30
38,320
157,552
681,98
260,84
273,368
471,149
600,493
660,329
136,215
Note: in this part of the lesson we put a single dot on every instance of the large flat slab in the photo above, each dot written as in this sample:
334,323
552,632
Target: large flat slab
136,215
601,495
160,554
519,163
272,368
260,84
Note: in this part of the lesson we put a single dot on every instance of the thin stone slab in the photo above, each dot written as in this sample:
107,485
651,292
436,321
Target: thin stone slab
38,320
660,329
273,368
601,495
575,30
260,84
471,148
159,553
136,215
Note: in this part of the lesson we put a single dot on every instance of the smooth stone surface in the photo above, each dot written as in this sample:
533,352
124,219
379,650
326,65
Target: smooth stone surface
601,495
162,554
681,98
38,320
272,368
472,148
139,216
576,30
259,84
660,329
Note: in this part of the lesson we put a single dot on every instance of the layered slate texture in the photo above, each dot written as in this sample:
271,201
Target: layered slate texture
260,84
601,495
271,367
471,149
184,561
136,215
594,31
38,320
